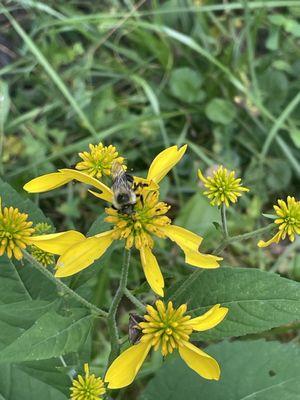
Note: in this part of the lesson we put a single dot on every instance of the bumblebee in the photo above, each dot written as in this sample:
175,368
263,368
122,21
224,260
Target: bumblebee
134,331
124,197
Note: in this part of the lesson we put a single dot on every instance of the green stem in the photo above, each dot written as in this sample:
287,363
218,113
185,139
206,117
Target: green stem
224,221
62,286
111,320
244,236
134,300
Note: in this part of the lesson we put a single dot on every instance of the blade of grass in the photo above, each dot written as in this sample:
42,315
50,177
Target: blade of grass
78,146
278,124
50,71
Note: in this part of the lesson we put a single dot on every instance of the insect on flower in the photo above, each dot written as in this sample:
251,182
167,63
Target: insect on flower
167,329
135,222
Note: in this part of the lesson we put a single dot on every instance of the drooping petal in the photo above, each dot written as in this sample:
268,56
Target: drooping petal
124,369
57,243
274,239
189,242
89,180
152,271
200,362
83,254
46,182
210,319
164,162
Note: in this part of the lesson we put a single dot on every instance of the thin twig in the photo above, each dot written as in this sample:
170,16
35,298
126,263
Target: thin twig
134,300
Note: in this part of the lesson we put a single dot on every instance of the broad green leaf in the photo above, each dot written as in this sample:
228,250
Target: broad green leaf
185,84
33,381
52,335
220,110
256,370
257,300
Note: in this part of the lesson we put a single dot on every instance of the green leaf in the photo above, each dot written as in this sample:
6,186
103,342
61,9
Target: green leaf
31,381
295,136
220,111
249,371
257,300
185,84
52,335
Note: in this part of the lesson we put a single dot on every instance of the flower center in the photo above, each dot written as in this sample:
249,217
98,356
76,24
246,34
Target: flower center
147,218
165,327
14,231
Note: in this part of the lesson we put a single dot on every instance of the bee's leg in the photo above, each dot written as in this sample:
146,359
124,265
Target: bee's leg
113,207
142,200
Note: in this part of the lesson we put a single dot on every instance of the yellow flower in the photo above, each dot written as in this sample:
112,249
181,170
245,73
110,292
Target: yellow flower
223,186
288,222
167,329
137,228
99,160
87,387
16,233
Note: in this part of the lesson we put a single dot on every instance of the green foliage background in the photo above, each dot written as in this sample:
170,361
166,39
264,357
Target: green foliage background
220,76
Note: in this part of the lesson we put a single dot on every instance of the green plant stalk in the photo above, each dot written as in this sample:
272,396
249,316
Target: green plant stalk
139,305
111,319
224,221
192,277
63,287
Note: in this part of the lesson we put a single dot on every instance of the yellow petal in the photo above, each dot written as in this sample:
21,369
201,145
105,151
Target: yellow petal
89,180
57,243
152,271
83,254
103,196
164,162
189,242
199,361
124,369
274,239
210,319
46,182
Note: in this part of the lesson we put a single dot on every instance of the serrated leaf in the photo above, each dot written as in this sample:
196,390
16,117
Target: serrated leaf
52,335
249,370
257,300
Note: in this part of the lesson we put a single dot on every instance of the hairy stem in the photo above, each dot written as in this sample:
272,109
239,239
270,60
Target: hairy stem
111,320
64,288
224,221
139,305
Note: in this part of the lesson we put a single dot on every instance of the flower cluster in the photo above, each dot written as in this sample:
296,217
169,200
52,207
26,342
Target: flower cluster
137,216
137,228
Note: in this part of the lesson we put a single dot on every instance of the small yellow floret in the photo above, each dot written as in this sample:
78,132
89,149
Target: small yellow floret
15,231
99,160
223,187
87,387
